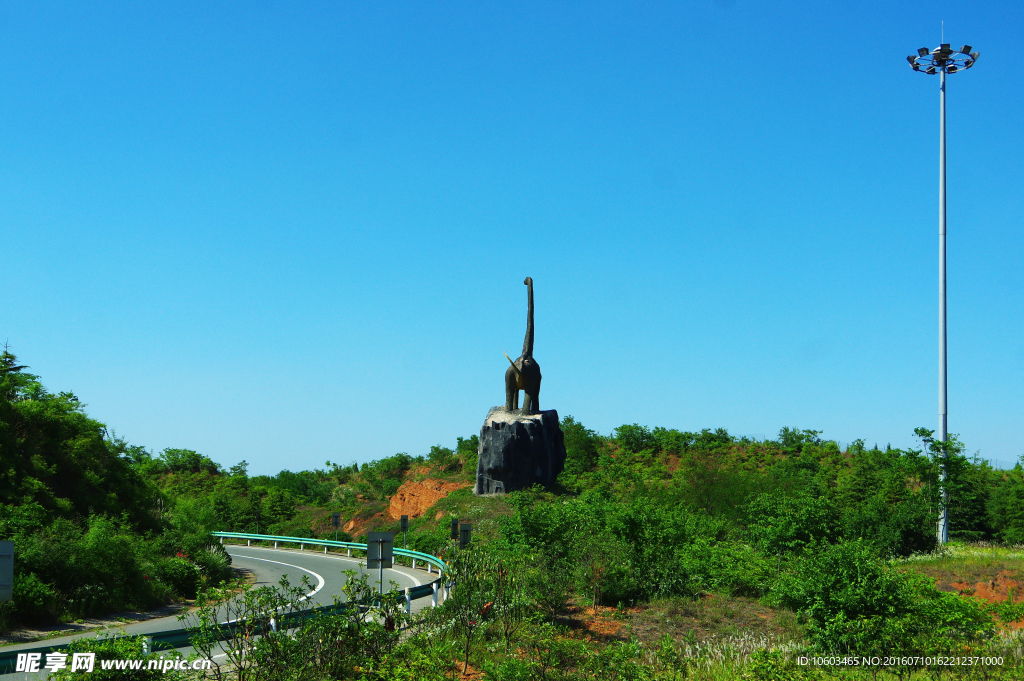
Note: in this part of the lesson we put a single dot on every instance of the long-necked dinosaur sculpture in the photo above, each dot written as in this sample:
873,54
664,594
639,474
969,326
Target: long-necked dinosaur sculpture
524,374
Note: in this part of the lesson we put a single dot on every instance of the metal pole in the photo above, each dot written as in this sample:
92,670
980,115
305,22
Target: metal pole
942,533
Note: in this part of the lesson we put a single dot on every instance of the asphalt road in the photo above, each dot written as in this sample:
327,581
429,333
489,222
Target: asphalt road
325,574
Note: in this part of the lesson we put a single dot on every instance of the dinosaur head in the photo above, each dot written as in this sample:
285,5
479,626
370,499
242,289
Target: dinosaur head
528,281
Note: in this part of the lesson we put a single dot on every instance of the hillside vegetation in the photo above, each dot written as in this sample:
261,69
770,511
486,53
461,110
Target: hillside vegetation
653,543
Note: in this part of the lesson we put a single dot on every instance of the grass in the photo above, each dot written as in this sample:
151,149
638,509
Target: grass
972,563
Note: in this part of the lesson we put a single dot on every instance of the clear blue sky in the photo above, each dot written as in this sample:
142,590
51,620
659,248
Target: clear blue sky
294,232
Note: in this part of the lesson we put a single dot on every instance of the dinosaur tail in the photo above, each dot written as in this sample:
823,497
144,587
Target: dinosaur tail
514,367
528,341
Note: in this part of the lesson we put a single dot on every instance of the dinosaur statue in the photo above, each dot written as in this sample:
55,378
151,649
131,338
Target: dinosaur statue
524,374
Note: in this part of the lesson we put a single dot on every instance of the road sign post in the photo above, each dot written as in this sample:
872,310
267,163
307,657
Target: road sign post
455,531
6,571
380,553
465,535
335,523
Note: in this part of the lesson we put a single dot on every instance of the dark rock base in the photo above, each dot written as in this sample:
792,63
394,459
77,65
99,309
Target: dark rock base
518,451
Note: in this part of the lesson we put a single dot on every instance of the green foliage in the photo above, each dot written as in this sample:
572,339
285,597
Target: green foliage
794,439
634,438
552,583
77,503
1006,505
854,603
258,648
186,460
889,499
466,607
382,478
467,451
181,574
652,512
440,457
835,585
581,446
781,522
772,665
33,599
53,455
122,648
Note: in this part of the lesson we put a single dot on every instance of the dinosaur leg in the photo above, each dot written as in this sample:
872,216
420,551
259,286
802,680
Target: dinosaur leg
511,391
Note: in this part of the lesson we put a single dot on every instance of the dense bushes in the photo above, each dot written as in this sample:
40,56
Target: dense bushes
855,603
1006,506
781,523
71,569
84,514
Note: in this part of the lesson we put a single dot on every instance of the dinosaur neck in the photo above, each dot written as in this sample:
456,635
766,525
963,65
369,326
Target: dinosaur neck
528,341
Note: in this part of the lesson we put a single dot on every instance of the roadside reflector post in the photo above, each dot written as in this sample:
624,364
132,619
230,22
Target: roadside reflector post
405,532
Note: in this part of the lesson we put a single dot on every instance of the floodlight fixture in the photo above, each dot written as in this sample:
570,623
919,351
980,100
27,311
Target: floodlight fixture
943,59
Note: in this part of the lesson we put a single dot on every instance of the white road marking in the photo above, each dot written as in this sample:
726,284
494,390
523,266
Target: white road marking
320,579
323,555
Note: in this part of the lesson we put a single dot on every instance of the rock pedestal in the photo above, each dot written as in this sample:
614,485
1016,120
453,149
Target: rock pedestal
518,450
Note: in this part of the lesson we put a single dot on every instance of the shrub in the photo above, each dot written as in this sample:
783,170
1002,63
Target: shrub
181,574
33,599
854,603
725,567
635,438
214,564
120,648
580,447
842,584
782,523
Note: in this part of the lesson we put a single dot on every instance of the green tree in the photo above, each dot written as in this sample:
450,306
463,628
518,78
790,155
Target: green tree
581,446
186,460
470,600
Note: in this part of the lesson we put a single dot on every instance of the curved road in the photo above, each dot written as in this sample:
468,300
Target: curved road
268,565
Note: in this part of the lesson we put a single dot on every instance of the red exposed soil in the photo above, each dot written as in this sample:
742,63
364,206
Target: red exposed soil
995,590
357,526
415,498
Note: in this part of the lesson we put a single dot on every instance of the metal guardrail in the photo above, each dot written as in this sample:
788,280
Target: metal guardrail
432,561
181,637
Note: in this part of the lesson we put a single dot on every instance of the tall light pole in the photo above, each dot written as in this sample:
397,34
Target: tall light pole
942,60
